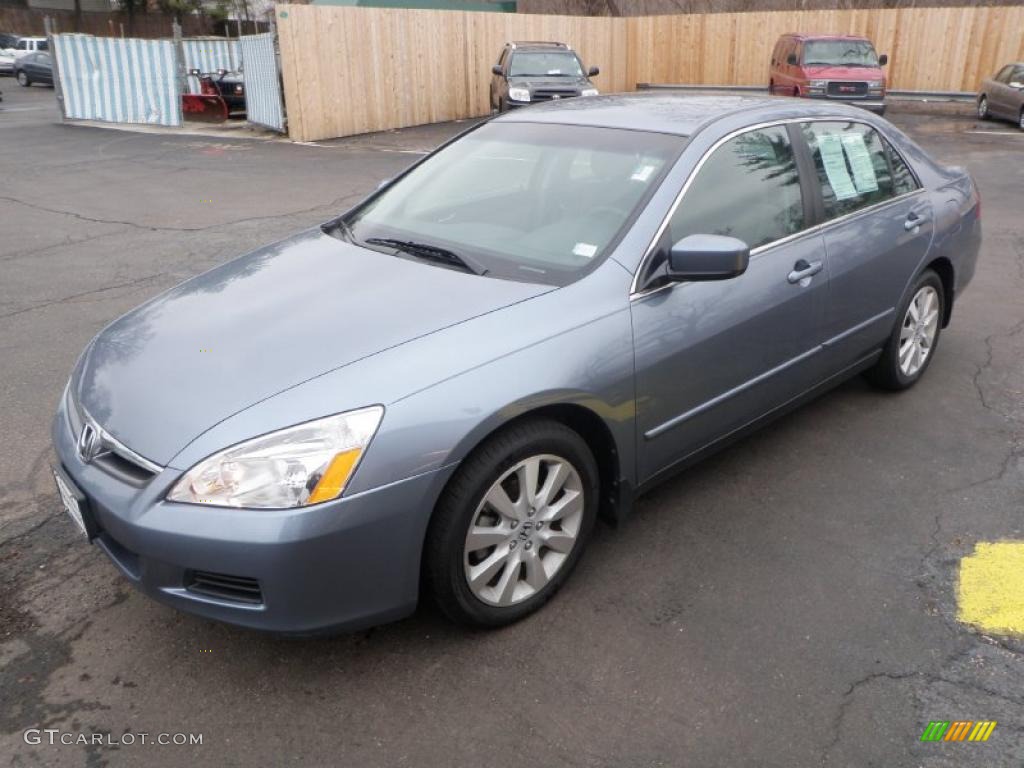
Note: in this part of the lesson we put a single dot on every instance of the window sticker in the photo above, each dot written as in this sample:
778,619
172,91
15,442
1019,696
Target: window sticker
864,177
643,173
586,250
831,147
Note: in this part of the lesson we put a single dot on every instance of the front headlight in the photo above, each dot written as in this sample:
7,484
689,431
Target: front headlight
818,83
588,92
519,94
293,467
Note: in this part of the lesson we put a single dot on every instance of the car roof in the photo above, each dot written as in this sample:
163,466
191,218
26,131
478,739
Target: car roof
806,36
538,45
673,113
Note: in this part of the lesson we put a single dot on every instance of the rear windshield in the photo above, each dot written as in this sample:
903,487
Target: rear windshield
529,202
844,53
545,64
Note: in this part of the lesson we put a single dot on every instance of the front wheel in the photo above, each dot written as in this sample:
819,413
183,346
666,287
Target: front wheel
1020,120
911,346
983,113
512,524
23,80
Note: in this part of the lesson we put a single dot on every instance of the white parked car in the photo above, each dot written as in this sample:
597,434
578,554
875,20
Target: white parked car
28,45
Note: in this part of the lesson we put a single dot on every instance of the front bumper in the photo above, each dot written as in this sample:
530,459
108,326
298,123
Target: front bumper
341,565
874,105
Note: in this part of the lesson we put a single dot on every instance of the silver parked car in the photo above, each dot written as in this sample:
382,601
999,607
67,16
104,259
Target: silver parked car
440,391
1002,95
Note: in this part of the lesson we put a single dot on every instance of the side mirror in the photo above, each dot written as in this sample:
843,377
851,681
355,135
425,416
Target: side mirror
791,60
883,59
593,72
496,70
708,257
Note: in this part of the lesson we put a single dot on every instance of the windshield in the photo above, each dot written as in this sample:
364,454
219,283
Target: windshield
544,64
524,201
840,53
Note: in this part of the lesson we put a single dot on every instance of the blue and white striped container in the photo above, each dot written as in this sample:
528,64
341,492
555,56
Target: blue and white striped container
120,80
262,84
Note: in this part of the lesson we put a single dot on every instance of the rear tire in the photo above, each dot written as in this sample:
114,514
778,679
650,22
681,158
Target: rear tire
522,545
1020,120
23,79
911,346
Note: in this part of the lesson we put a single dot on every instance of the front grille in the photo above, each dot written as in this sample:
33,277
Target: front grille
238,589
847,90
546,94
112,456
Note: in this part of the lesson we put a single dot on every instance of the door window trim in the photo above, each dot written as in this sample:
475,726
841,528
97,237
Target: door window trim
816,225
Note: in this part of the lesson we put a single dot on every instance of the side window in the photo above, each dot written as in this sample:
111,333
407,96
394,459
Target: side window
1017,77
903,180
748,188
22,45
852,166
44,45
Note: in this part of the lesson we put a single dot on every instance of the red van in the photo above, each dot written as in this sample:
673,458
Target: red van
841,67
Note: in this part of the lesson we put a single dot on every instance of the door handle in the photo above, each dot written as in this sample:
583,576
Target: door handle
914,220
804,269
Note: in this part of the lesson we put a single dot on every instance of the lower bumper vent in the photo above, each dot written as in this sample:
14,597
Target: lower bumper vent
237,589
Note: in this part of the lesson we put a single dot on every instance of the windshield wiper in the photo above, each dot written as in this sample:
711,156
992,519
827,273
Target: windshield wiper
431,253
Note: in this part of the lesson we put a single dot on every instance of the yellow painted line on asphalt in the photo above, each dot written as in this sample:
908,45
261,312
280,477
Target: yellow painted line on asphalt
991,588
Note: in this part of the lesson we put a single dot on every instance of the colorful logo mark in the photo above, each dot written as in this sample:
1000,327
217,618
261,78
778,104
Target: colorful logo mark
958,730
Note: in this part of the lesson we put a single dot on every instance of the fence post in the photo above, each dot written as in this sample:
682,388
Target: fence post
51,30
179,58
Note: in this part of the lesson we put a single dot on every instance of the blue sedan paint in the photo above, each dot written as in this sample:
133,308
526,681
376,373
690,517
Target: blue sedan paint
315,326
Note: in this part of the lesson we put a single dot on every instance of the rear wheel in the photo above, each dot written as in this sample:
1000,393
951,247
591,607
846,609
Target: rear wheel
23,80
512,524
911,346
983,112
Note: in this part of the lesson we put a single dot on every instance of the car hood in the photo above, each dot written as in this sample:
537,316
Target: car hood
843,73
548,82
174,367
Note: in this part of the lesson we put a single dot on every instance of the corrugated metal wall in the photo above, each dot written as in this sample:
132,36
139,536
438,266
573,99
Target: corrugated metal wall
262,84
118,80
208,55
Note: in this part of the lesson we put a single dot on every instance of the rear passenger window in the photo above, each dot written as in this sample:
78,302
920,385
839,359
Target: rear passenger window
902,177
852,166
748,189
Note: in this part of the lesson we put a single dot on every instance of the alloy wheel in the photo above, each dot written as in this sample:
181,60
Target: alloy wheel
23,79
920,326
983,108
1020,120
523,530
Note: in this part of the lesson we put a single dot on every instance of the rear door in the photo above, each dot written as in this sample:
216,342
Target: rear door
877,226
713,356
998,101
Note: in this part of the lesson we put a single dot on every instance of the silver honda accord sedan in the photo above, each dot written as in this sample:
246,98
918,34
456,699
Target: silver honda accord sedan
440,391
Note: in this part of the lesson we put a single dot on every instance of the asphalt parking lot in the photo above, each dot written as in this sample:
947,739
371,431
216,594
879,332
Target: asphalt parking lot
790,602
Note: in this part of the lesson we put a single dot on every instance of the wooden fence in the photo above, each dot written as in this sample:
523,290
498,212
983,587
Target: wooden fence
353,70
930,49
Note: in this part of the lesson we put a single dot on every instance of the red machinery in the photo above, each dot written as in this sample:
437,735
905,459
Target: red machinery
208,105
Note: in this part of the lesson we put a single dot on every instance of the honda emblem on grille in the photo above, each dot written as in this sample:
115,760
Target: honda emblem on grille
89,443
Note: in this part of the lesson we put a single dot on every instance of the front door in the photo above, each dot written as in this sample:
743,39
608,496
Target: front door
713,356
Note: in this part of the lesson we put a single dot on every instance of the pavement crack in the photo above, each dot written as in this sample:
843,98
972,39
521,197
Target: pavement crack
74,296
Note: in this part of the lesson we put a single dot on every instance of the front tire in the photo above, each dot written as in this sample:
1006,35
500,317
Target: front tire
983,113
512,524
911,346
23,80
1020,120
